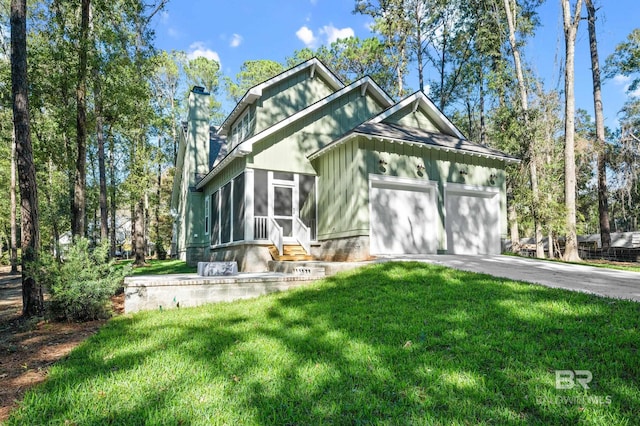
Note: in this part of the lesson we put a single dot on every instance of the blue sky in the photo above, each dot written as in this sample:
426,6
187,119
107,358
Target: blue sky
233,32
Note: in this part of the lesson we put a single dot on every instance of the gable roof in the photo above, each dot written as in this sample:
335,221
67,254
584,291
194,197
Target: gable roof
411,135
313,65
419,99
365,84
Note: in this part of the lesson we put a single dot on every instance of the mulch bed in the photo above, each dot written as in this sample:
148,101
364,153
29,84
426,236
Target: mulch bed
29,347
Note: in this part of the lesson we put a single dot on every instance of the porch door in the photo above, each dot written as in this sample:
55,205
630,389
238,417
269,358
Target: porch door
284,208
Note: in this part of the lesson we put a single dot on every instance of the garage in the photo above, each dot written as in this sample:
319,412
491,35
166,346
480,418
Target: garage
472,220
403,216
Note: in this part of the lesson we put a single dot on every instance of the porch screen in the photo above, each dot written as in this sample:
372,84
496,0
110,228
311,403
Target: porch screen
260,193
238,208
225,213
215,218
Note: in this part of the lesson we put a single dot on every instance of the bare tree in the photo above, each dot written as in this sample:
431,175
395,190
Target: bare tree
32,294
79,189
570,25
603,194
530,140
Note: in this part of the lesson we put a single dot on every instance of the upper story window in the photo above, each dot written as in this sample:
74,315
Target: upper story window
241,128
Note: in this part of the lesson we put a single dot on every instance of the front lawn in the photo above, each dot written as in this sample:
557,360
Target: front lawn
161,267
393,343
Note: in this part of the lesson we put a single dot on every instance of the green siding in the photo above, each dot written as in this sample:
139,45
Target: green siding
291,95
344,181
342,193
419,119
287,149
232,169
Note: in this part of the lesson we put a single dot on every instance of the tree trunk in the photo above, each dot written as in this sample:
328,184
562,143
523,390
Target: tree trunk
78,224
603,195
13,249
512,215
32,294
102,171
529,139
571,23
138,233
483,129
112,173
158,193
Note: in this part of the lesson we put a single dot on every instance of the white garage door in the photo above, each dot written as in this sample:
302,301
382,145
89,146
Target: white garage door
473,222
403,218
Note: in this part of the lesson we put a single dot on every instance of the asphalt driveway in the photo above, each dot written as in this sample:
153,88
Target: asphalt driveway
587,279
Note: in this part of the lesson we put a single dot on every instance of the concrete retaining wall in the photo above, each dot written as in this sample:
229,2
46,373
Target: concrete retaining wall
250,257
173,291
349,249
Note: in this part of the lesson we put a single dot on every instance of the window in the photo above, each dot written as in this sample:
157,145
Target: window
240,129
206,216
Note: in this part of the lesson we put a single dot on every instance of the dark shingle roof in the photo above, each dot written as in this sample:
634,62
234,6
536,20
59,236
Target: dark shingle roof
437,140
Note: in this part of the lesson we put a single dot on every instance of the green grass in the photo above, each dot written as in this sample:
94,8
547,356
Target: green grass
393,343
161,267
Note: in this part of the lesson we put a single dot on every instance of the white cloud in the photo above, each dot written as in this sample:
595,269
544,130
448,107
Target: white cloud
621,79
306,36
236,40
625,82
333,33
199,49
164,17
314,2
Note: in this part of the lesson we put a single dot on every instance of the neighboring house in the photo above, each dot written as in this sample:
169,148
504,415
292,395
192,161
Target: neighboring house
342,172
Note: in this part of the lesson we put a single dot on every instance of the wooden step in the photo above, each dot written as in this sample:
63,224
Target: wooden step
290,252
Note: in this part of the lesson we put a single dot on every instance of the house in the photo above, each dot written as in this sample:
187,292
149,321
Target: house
338,172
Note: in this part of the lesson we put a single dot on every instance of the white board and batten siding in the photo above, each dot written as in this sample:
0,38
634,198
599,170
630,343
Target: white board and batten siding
403,215
472,219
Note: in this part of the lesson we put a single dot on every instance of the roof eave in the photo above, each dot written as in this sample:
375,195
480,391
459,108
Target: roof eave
354,134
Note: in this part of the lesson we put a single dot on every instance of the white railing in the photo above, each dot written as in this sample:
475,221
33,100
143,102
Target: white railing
261,227
276,235
302,233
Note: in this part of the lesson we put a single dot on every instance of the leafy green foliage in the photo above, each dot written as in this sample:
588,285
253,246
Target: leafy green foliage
626,59
388,344
251,73
352,58
82,284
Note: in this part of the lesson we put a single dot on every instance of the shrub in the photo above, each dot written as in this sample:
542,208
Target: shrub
81,286
161,252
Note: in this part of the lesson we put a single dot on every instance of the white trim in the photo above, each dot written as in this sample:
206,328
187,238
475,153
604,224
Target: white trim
249,182
246,147
256,91
363,89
